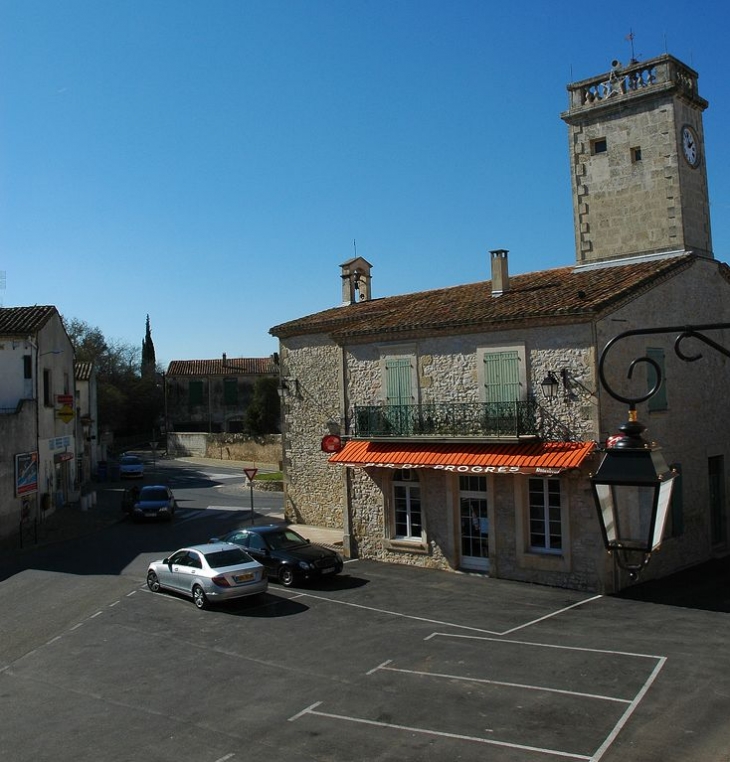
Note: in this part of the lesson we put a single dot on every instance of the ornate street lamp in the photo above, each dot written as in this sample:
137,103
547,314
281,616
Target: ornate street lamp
632,487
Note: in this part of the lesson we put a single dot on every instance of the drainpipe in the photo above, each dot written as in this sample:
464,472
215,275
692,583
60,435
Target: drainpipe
348,545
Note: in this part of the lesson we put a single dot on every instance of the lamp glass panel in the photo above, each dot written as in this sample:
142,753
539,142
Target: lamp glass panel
627,514
664,501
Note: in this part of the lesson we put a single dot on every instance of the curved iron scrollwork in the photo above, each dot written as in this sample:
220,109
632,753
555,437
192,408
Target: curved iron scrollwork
684,333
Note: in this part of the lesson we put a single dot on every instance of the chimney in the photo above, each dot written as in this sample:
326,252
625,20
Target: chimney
500,273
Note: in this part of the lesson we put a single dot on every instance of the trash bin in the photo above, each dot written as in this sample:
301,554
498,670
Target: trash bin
101,471
114,472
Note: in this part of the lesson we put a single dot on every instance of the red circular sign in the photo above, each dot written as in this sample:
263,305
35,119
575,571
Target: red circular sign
331,443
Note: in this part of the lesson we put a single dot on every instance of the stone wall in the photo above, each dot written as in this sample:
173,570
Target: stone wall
259,450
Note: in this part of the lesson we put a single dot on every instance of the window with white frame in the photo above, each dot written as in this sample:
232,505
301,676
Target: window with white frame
407,505
546,518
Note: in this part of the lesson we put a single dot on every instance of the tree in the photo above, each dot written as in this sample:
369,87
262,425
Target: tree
128,404
264,411
148,351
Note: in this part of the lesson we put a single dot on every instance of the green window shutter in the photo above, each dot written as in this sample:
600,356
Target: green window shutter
230,391
398,382
195,392
502,376
659,400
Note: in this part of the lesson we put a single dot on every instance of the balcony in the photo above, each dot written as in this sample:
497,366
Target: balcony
459,420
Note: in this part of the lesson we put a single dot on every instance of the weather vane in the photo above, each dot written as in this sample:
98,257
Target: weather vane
630,38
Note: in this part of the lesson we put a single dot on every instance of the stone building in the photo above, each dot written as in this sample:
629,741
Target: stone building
212,395
420,423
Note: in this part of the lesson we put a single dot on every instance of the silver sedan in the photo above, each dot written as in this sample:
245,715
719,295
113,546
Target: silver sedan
208,573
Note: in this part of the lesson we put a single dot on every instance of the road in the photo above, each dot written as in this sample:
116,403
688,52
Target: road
384,663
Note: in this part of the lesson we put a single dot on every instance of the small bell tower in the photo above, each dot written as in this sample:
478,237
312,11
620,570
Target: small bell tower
355,280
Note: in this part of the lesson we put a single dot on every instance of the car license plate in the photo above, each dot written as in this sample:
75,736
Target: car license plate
328,571
243,577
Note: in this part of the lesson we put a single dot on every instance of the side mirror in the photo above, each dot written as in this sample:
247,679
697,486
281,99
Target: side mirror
166,561
308,541
214,539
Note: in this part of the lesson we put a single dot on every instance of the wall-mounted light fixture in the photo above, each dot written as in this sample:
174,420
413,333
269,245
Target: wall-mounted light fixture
288,386
572,387
550,386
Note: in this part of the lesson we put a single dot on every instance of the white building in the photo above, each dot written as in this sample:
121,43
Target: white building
38,445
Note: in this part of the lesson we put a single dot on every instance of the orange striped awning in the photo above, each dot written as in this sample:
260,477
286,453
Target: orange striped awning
531,458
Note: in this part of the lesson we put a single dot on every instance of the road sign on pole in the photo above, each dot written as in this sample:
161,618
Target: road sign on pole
250,473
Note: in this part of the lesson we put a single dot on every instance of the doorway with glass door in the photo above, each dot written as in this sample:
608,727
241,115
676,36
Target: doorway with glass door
474,523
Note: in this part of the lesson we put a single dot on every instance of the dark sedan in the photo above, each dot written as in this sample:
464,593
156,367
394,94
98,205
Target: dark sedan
288,557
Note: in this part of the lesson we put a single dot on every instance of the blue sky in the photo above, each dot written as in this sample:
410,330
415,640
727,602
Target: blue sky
210,162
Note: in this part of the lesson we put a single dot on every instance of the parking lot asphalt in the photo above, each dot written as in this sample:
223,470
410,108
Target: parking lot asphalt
394,662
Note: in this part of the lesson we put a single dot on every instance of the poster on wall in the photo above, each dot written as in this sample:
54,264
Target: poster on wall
26,473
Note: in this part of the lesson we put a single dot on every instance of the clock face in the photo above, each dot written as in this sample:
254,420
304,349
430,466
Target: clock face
690,146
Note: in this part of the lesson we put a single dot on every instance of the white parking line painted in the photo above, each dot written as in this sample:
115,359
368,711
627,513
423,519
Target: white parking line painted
604,747
308,710
554,613
633,704
525,686
441,734
396,613
448,624
545,645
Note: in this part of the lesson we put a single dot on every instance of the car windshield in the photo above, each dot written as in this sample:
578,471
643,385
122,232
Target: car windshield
229,557
154,493
130,460
284,539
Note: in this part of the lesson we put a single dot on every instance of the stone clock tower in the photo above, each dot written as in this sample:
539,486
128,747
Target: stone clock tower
638,162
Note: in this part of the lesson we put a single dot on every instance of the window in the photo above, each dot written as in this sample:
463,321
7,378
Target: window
27,367
474,522
599,145
659,400
407,505
256,542
230,391
47,387
398,394
546,533
195,393
635,155
502,376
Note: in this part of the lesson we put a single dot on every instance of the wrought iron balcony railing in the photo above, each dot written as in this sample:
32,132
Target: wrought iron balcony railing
505,420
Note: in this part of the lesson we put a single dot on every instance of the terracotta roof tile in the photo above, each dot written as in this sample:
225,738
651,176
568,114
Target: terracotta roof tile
24,320
235,366
546,296
82,370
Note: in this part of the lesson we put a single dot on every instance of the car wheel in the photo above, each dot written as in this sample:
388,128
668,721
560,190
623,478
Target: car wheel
199,597
153,582
286,576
